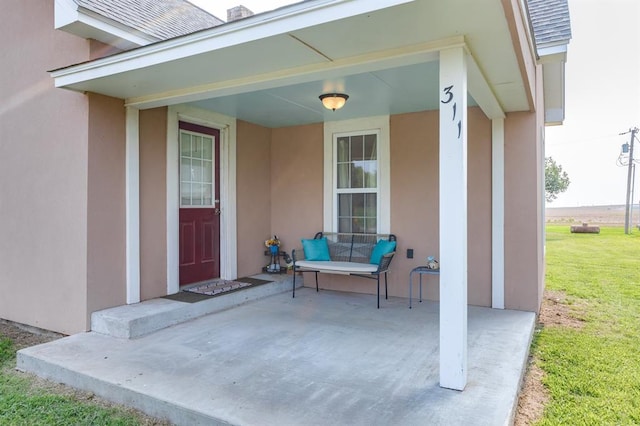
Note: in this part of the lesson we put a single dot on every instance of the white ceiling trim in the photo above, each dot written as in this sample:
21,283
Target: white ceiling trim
480,90
281,21
408,55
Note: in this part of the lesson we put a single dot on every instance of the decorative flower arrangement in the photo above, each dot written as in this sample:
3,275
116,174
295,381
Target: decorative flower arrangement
432,263
272,242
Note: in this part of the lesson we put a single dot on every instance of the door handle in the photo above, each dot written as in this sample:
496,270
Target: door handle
217,211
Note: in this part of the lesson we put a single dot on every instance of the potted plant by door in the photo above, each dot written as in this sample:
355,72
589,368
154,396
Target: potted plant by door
273,244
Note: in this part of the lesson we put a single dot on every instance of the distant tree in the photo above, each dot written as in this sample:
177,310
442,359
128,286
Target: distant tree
555,179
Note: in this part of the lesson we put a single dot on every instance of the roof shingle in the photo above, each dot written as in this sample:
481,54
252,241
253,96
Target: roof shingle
550,21
163,19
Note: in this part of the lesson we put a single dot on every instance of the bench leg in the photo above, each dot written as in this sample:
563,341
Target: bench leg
386,292
317,289
378,291
294,282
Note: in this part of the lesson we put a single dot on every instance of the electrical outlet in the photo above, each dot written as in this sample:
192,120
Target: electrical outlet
409,253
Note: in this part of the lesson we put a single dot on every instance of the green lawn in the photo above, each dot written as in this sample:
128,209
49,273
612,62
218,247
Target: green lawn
593,373
23,403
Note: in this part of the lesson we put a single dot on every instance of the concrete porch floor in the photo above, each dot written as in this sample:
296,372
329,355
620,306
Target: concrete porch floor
319,359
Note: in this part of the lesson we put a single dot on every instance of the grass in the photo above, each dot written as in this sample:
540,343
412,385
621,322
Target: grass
593,373
24,403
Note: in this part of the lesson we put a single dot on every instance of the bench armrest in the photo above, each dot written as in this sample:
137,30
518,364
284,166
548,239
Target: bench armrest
297,254
385,262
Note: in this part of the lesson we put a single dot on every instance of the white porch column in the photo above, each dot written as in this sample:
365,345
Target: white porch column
497,213
453,219
132,194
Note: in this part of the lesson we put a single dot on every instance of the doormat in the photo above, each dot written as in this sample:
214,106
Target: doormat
252,280
215,288
187,297
218,287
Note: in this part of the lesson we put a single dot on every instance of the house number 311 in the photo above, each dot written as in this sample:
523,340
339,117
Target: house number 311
448,93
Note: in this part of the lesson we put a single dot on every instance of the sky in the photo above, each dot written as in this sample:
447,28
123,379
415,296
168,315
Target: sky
602,101
602,96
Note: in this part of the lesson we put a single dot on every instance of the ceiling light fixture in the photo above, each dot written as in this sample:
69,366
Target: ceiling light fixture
334,101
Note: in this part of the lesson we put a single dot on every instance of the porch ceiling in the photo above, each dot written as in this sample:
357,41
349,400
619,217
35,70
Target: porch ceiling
271,68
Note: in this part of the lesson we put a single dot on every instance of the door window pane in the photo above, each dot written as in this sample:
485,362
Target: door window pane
196,146
196,169
185,145
207,171
207,144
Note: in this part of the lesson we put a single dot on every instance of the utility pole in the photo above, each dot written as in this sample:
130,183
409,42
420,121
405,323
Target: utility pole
627,228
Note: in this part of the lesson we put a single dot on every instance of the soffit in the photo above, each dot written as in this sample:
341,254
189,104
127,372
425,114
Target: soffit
384,54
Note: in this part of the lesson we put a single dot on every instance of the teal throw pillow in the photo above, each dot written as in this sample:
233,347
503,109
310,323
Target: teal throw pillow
382,247
316,249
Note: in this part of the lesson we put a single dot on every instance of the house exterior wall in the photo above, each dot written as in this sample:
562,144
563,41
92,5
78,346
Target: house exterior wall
540,185
415,200
153,203
254,198
297,174
523,278
43,167
105,204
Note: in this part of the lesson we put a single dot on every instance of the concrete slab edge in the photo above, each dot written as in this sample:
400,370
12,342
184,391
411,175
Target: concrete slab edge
523,371
113,392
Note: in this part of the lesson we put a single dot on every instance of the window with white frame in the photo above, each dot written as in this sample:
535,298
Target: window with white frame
356,182
357,175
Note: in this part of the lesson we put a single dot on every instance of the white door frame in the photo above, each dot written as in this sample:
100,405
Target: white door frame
228,222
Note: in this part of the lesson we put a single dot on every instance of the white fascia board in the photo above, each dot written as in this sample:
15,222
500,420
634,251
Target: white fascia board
554,92
70,17
280,21
555,53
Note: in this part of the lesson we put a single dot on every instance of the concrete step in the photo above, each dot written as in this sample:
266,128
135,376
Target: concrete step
132,321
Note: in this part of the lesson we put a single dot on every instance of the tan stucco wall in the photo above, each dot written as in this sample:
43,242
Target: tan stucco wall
153,203
479,208
106,243
43,168
414,196
296,183
253,156
540,201
415,200
522,232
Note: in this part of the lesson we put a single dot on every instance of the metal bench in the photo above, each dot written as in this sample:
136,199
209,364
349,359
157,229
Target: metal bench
350,254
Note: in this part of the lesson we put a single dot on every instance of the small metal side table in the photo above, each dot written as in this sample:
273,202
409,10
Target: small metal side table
420,270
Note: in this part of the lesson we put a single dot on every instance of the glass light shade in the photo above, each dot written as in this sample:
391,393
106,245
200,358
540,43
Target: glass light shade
334,101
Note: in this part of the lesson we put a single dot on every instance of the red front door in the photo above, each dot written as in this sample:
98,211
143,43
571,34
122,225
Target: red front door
199,203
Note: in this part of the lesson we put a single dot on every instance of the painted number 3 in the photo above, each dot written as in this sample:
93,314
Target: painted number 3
448,92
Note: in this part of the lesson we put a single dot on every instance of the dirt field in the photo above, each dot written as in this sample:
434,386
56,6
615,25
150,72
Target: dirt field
593,215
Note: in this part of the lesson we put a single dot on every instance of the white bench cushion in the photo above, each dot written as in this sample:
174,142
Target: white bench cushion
337,267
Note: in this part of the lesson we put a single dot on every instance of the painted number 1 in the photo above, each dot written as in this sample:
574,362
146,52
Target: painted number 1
448,92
